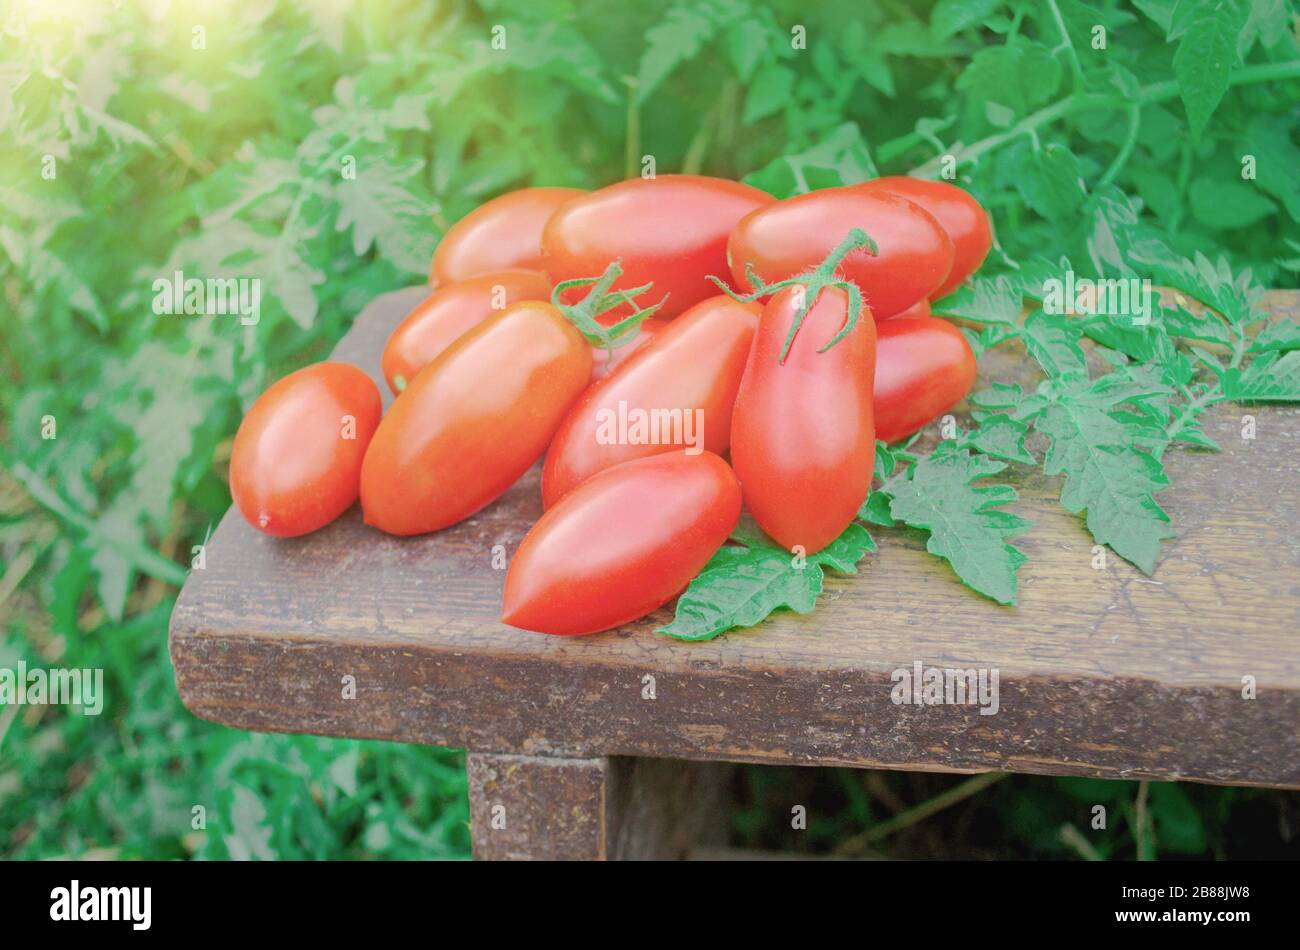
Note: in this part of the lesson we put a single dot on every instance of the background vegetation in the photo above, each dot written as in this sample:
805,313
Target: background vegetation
146,136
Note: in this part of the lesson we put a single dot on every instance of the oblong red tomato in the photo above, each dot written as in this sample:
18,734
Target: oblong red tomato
924,367
502,234
790,237
448,312
296,461
604,362
802,435
621,544
958,213
677,391
917,311
670,231
473,420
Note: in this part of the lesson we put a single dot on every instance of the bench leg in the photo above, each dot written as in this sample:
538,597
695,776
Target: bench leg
582,809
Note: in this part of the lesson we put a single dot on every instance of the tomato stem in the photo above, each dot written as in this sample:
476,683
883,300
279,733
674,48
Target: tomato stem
601,299
814,281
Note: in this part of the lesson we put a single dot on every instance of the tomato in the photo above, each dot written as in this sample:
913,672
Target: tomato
296,461
785,239
917,311
670,231
604,362
474,420
621,544
957,212
802,436
502,234
677,391
441,318
923,368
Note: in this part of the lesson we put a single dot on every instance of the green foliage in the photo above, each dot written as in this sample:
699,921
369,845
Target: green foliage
744,583
965,526
1021,816
323,149
126,783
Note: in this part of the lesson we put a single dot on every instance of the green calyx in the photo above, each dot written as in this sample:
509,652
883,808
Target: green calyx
815,281
600,299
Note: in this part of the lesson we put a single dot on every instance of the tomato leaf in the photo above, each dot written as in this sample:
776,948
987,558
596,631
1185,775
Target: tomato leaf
983,300
680,33
743,583
1091,444
1054,345
1273,377
953,16
938,494
381,211
1220,205
845,551
1017,76
1000,436
769,92
998,396
1236,296
1205,55
745,44
1281,336
1179,321
1270,142
840,158
875,510
1049,180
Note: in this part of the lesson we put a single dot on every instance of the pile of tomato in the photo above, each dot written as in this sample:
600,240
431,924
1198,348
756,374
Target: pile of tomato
797,332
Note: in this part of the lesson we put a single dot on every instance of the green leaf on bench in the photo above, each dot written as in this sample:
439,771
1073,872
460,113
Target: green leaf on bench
745,582
1269,378
966,528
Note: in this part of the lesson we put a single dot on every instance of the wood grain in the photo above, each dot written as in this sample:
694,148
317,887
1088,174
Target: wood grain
1102,672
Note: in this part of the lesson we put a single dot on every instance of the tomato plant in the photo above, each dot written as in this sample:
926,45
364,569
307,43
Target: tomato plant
296,460
802,435
958,213
621,544
670,231
785,239
448,312
924,367
687,376
502,234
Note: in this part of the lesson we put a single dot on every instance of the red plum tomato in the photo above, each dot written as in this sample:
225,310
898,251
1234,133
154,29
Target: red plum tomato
502,234
474,420
621,544
296,461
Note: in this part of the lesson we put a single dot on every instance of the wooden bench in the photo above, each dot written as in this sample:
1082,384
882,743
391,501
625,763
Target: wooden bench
600,746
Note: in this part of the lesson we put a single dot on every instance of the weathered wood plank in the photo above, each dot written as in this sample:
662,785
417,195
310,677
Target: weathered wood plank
1102,672
662,809
525,807
528,807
